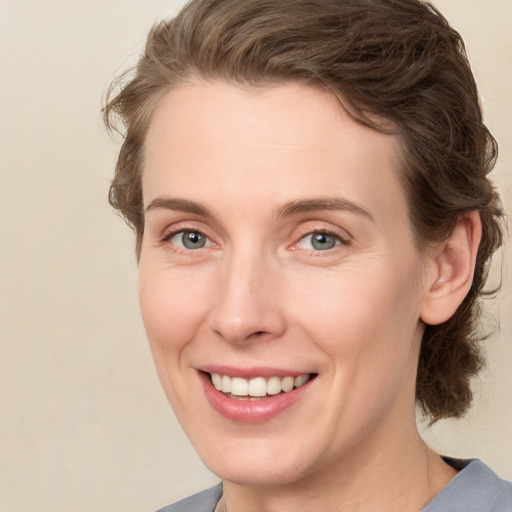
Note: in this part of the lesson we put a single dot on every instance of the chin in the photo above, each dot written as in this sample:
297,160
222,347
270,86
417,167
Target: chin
255,466
257,475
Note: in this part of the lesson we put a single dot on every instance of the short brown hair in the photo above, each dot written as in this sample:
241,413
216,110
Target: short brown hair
394,59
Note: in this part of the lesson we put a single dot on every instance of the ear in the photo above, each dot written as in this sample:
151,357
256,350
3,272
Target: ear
450,271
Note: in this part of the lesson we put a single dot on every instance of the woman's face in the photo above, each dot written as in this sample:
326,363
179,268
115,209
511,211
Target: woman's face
277,253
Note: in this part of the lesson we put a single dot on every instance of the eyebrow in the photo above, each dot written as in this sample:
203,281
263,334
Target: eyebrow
177,204
291,208
327,203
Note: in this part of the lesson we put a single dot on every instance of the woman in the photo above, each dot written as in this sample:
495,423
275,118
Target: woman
307,181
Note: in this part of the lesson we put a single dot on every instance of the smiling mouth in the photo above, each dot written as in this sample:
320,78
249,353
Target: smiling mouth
258,388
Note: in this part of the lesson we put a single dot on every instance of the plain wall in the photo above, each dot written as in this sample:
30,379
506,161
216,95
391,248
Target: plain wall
84,423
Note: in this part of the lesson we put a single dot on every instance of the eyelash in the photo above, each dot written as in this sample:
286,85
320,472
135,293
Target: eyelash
169,235
343,241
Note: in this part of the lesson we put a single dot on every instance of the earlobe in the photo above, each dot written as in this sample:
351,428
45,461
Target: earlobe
452,269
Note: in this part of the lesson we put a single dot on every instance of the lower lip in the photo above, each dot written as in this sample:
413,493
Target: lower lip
247,411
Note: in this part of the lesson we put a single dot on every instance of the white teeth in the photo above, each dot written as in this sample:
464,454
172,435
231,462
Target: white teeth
274,385
301,380
226,384
257,387
217,381
239,387
287,384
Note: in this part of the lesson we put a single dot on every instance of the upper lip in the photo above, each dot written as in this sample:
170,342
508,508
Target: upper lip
252,372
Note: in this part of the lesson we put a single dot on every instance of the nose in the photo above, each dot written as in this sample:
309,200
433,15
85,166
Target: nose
247,306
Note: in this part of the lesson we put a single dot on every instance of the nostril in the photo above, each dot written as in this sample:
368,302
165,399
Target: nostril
257,335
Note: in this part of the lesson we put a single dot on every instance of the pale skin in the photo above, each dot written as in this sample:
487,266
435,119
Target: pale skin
257,174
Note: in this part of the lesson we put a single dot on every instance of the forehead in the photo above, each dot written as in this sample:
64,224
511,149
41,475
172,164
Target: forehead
282,143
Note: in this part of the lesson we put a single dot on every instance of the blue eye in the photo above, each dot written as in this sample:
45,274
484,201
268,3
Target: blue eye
319,241
190,240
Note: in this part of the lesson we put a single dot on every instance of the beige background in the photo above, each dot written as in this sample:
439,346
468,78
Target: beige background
84,423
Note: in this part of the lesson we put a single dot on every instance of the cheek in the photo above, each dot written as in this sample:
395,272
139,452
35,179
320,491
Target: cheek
362,316
173,305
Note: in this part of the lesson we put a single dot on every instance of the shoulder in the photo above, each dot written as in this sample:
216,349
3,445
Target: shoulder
475,489
204,501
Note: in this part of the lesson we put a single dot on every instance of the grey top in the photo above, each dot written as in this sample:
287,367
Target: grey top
204,501
475,489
